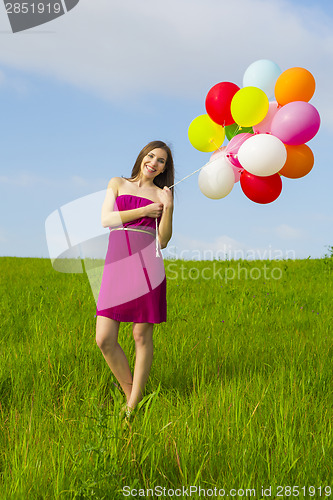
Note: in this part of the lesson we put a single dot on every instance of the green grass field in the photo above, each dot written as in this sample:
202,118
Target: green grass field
239,397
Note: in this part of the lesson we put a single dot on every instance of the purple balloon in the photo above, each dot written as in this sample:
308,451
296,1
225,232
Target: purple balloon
296,123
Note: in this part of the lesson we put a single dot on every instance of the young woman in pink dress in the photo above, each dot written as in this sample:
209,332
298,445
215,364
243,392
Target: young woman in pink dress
138,210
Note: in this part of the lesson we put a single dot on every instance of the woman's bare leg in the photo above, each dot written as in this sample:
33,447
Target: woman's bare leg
107,340
143,336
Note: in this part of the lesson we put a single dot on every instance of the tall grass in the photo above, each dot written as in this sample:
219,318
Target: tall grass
239,396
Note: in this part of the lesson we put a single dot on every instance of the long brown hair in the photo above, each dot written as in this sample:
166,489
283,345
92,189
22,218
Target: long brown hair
166,178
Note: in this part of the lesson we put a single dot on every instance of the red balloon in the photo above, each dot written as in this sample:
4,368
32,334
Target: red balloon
261,189
218,102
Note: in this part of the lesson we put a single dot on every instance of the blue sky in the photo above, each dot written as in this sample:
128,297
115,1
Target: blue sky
81,95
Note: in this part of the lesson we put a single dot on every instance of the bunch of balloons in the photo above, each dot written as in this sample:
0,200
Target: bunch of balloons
266,138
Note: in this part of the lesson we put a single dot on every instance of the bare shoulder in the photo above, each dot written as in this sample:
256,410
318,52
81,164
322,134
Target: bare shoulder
159,196
158,192
117,181
114,185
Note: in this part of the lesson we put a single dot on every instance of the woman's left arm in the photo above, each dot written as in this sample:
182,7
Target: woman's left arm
165,225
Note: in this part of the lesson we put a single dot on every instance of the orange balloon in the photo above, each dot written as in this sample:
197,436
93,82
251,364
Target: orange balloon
294,84
299,161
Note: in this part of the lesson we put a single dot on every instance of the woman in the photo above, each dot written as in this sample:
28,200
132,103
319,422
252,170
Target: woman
137,210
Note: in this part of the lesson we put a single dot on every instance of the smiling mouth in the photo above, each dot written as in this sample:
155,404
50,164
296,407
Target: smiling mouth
150,169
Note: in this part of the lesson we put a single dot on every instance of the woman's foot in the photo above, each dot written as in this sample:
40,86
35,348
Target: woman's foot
126,416
126,412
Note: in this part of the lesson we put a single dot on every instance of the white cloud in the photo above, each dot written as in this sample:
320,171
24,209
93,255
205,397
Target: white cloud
29,179
223,247
286,232
24,179
80,181
193,248
321,218
122,50
18,84
282,231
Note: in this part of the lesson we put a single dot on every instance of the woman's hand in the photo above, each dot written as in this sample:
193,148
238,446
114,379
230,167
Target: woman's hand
153,210
166,197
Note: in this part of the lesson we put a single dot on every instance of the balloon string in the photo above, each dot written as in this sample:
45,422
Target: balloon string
190,174
210,161
195,171
218,148
236,131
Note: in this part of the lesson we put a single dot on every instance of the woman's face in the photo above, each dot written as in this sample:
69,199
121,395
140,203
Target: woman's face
154,163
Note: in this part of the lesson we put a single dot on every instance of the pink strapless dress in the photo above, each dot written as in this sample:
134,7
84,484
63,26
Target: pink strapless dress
133,287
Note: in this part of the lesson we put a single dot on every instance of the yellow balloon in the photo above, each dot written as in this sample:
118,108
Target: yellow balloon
249,106
205,135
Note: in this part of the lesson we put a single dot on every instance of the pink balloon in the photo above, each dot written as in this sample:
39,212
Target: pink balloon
264,126
222,152
296,123
218,153
233,147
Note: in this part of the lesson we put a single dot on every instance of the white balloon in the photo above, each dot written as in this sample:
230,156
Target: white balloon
216,179
262,155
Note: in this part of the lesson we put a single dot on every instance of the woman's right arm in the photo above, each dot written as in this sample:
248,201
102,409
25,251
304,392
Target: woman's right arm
111,218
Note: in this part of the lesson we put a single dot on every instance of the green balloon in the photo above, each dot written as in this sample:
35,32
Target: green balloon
234,129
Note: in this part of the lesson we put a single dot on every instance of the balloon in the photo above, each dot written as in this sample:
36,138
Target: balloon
216,179
265,125
262,155
218,153
218,102
294,84
204,134
262,74
249,106
299,162
233,147
235,129
296,123
261,189
221,153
